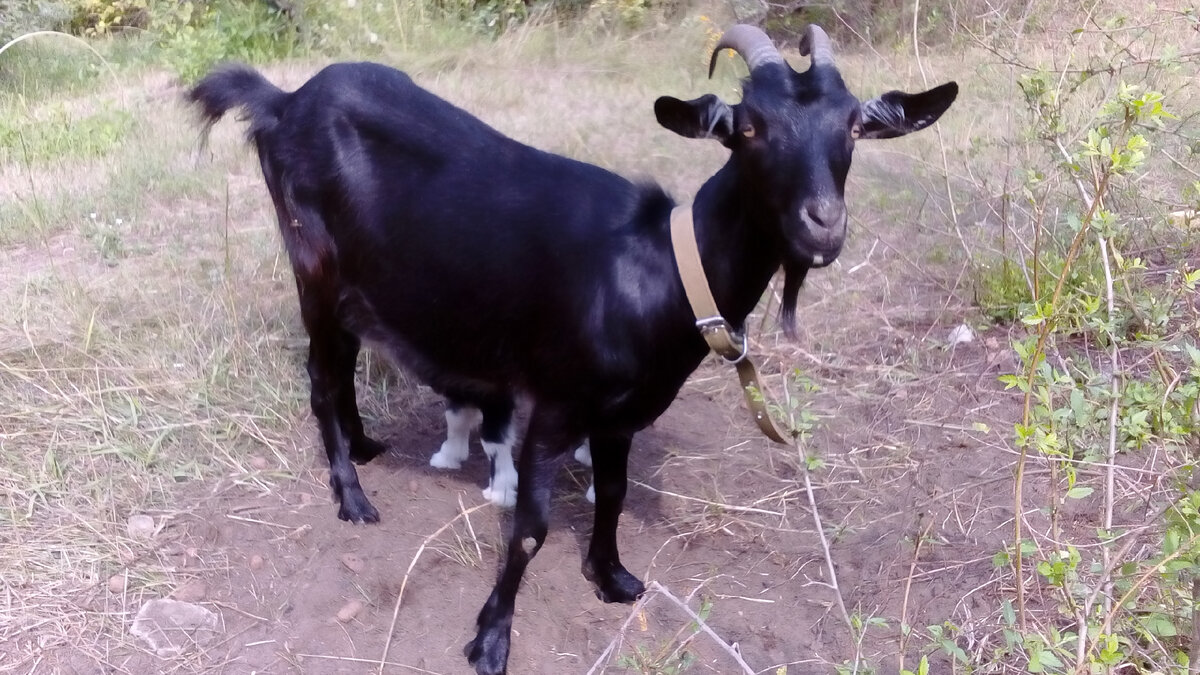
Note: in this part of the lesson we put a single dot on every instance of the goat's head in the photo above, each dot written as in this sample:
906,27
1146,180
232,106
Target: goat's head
792,136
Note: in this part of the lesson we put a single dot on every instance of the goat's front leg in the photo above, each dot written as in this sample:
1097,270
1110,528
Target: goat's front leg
542,454
602,566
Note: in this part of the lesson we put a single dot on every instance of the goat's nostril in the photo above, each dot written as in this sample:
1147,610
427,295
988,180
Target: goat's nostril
825,215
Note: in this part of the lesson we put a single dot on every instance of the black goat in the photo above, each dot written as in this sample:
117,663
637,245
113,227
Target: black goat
489,267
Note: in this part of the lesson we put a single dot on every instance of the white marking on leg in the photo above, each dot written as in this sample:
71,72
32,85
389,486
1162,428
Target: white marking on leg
583,454
502,485
459,424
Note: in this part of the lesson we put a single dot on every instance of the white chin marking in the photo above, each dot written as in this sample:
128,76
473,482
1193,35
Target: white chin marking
818,260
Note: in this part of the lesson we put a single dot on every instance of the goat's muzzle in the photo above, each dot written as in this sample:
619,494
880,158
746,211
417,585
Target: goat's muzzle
823,223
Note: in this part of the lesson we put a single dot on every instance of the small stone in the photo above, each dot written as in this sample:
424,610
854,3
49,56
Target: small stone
140,526
257,562
961,333
192,591
349,610
171,627
116,583
412,486
259,463
305,499
353,563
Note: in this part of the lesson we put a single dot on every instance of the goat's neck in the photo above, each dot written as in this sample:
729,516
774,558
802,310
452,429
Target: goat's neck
737,251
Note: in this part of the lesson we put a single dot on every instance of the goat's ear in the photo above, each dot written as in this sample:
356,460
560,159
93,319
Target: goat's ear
704,117
897,113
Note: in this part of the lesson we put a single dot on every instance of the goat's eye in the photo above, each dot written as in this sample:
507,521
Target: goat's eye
748,131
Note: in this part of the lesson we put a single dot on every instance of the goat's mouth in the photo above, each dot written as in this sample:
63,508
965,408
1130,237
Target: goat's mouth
825,258
815,254
817,243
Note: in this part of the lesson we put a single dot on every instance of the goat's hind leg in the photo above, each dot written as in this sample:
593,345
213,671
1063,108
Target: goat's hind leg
602,566
331,386
496,433
363,448
461,418
331,350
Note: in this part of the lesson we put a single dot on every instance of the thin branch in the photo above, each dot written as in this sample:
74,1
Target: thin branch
912,568
387,645
941,141
637,609
1114,411
729,649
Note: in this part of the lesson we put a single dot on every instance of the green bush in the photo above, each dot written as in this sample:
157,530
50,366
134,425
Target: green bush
18,17
99,17
59,135
195,36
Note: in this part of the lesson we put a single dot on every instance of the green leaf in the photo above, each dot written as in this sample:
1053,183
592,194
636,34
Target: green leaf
1159,625
1192,351
1079,492
1170,541
1049,659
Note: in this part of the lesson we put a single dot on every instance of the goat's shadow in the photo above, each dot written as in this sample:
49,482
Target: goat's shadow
414,439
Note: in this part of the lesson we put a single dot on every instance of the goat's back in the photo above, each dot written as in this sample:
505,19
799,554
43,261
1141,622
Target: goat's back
478,260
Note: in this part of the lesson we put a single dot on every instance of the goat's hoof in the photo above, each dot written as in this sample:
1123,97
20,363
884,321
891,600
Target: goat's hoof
504,497
618,586
366,449
356,508
448,457
488,652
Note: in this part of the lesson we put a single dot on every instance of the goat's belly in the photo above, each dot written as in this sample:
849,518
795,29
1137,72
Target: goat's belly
427,350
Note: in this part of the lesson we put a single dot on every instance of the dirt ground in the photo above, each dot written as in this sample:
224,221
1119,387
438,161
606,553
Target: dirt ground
277,570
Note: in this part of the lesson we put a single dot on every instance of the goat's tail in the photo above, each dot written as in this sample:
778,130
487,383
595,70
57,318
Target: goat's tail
238,86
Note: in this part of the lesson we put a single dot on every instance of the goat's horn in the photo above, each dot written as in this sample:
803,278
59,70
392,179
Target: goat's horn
817,43
751,43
